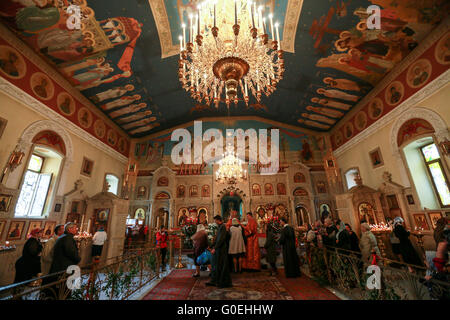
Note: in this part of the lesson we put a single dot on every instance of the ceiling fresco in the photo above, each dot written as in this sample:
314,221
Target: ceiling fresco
124,58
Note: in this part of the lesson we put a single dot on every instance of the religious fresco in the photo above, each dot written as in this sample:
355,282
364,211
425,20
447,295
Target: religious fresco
427,67
124,57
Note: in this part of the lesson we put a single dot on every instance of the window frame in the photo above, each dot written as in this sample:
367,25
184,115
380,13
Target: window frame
42,164
430,175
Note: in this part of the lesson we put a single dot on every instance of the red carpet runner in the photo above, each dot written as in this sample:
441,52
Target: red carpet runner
179,285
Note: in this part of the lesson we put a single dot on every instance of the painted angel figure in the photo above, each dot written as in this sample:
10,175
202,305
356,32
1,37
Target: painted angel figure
129,109
325,111
331,103
123,101
313,123
135,116
342,84
112,93
139,123
318,118
331,93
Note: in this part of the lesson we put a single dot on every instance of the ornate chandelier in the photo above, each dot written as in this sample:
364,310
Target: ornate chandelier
230,169
228,51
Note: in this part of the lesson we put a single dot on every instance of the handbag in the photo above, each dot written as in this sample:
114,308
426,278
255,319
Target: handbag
204,258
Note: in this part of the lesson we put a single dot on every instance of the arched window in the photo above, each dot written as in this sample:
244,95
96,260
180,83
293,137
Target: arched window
415,138
39,182
350,176
113,183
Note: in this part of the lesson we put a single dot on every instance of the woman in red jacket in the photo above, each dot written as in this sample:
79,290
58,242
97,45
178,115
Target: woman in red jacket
161,243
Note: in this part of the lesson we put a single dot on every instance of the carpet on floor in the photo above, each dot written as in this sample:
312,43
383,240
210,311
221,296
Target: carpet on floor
246,286
304,288
175,286
179,285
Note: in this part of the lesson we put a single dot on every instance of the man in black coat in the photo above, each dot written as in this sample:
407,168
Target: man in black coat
290,257
221,276
65,254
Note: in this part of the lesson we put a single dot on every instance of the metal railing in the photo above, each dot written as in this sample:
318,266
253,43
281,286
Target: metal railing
115,279
345,271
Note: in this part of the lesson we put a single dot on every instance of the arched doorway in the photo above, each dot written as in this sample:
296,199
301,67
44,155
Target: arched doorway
230,203
302,215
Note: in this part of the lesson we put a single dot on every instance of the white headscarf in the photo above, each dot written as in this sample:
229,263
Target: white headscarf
398,220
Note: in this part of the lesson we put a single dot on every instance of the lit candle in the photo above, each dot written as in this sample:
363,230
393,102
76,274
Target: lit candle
191,31
181,44
260,17
198,25
7,243
184,34
246,90
271,26
278,36
89,225
215,13
235,12
264,25
252,13
254,10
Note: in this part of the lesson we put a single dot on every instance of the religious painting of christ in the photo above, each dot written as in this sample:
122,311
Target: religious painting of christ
256,189
268,189
281,189
181,190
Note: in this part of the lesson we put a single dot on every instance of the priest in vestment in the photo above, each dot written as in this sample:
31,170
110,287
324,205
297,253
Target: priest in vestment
252,260
290,257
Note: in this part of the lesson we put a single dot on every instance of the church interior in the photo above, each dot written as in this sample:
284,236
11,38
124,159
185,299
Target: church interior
142,124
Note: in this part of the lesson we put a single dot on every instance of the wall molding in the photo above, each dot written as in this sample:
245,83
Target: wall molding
439,125
388,118
40,108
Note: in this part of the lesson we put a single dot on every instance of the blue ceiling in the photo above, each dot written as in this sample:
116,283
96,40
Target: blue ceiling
156,100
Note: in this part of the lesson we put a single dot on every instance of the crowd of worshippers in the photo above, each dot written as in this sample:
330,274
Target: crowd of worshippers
340,236
55,255
235,249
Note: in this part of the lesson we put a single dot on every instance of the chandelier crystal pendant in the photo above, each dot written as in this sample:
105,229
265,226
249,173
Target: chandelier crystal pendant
228,53
230,169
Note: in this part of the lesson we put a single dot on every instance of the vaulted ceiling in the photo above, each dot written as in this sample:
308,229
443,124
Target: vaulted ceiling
124,58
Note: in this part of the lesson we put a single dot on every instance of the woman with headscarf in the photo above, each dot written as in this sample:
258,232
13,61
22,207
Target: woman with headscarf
368,244
200,239
28,266
342,236
237,245
406,248
271,249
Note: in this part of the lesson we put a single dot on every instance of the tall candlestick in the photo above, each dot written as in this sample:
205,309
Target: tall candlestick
181,44
264,26
271,26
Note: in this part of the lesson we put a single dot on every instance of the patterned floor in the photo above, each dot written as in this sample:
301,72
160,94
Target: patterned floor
179,285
